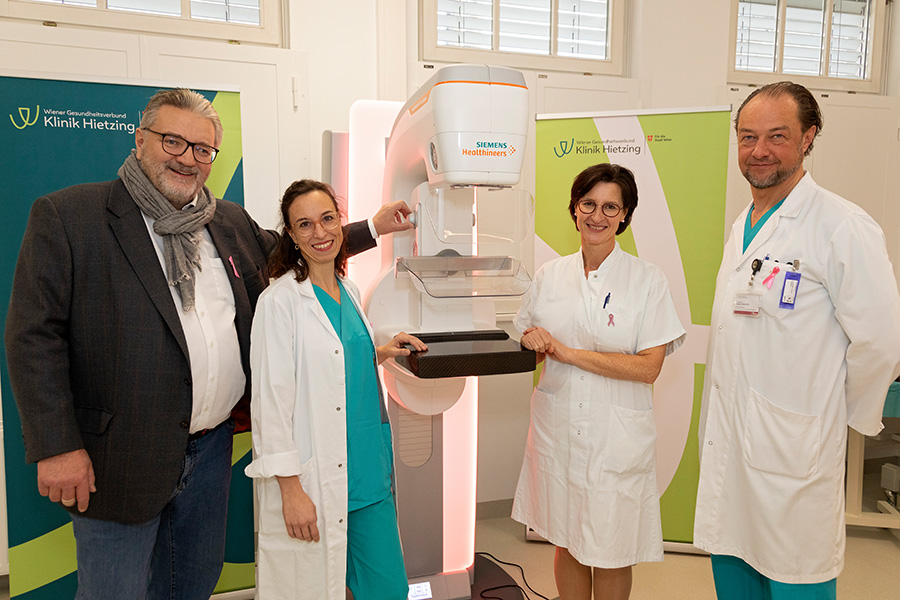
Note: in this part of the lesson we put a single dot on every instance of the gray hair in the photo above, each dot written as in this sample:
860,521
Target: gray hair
184,99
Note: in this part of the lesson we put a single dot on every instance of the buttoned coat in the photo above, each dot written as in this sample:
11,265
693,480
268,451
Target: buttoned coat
96,353
300,428
781,387
588,478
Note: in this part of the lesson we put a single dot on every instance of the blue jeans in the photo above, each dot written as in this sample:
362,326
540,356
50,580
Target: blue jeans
177,554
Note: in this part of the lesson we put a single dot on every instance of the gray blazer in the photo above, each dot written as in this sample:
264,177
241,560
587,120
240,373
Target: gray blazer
96,354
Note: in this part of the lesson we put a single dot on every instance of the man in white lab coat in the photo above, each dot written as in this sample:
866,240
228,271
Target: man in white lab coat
805,340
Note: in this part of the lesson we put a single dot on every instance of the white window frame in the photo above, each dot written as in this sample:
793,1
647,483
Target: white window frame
614,65
823,82
268,32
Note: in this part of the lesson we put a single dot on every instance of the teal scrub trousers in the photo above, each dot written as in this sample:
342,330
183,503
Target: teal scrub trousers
736,580
375,569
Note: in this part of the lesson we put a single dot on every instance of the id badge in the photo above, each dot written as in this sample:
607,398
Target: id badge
746,304
789,291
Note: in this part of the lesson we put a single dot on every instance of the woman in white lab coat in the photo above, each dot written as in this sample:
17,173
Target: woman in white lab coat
321,439
604,321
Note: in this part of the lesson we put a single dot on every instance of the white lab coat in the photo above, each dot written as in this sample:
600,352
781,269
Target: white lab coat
299,428
781,389
588,480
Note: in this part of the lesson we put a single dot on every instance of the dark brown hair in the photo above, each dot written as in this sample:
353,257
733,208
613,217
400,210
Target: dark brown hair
808,111
609,173
286,256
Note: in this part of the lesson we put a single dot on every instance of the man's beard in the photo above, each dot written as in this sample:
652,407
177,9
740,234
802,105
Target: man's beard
182,193
780,175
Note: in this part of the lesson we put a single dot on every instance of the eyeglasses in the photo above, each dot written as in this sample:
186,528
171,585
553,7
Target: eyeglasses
306,227
610,209
176,146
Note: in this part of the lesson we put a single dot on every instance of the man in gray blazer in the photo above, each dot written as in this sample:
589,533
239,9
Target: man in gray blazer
127,342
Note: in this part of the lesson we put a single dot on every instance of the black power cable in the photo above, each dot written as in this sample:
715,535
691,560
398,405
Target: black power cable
500,587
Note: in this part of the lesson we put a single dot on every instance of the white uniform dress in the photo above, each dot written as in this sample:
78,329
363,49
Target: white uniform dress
588,480
781,388
299,428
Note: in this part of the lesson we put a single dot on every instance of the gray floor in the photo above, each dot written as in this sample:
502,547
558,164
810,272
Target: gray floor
871,568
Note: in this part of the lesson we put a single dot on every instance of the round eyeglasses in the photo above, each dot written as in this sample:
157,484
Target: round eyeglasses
306,227
610,209
176,146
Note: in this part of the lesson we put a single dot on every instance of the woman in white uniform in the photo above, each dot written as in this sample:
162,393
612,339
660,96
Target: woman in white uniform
604,321
321,438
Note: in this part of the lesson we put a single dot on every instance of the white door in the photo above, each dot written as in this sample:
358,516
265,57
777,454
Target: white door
274,107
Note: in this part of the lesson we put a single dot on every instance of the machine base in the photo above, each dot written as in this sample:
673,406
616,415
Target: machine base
441,586
456,586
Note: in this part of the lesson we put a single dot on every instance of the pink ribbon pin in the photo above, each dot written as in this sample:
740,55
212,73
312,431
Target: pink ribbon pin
768,280
610,322
236,274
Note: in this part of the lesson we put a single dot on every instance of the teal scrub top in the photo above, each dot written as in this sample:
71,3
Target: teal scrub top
369,453
750,231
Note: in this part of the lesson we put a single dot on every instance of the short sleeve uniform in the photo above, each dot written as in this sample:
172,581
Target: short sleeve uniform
588,479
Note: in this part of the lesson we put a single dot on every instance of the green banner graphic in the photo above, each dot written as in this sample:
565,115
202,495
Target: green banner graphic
56,134
679,160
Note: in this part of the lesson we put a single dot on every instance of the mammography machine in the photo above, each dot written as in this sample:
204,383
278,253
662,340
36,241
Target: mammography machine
455,150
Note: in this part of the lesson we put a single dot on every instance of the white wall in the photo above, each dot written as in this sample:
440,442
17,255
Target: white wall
676,51
892,53
339,38
655,28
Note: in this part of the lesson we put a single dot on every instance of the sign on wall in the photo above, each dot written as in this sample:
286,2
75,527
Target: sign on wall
56,134
679,160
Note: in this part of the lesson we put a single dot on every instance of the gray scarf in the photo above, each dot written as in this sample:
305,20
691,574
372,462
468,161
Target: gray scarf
180,229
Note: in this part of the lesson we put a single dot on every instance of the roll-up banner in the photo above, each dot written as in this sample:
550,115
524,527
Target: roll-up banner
57,133
679,159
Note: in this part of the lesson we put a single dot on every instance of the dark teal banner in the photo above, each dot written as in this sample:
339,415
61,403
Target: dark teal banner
54,134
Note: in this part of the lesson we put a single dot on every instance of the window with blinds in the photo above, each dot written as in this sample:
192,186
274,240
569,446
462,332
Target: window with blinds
819,38
571,31
580,27
583,29
225,11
